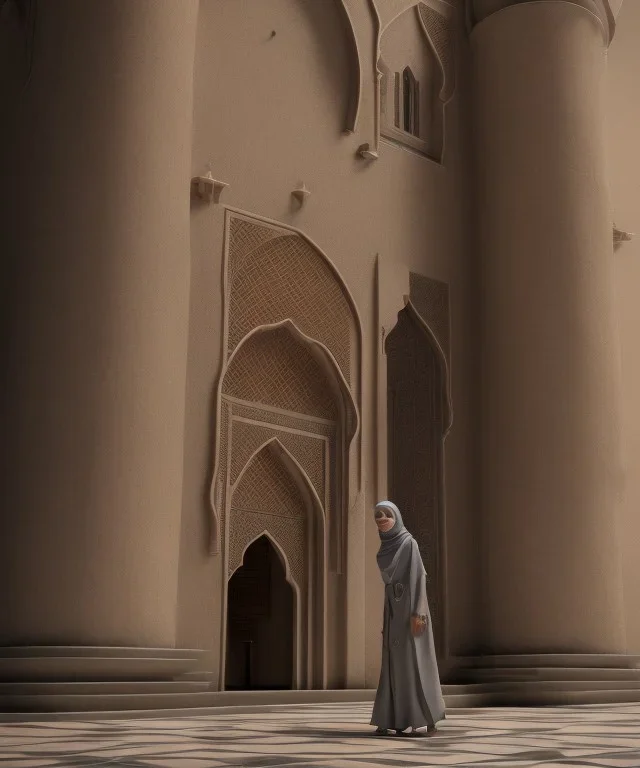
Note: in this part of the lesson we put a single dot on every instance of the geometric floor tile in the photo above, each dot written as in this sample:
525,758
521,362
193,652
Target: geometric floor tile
333,736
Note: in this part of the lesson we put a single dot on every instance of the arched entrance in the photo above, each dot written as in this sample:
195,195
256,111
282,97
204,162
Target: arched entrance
261,622
275,515
417,420
289,455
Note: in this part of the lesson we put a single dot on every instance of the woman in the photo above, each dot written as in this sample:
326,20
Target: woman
409,694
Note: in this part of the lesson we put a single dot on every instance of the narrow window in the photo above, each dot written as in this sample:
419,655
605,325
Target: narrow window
410,102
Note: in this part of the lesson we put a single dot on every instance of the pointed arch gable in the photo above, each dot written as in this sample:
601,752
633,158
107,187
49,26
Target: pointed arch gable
292,465
330,367
432,340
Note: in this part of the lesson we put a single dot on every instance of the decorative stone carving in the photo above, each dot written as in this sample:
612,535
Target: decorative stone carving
207,188
367,153
301,193
273,368
244,236
286,278
287,401
309,451
266,486
437,28
620,237
288,533
291,420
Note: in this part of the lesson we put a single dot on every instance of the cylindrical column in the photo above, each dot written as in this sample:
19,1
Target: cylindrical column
552,469
97,259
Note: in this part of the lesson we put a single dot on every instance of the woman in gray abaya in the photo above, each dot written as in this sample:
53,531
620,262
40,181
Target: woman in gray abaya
409,693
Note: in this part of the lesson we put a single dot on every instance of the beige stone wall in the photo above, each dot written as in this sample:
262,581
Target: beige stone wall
269,114
623,118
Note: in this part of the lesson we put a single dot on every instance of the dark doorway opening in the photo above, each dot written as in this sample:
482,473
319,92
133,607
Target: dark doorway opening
260,611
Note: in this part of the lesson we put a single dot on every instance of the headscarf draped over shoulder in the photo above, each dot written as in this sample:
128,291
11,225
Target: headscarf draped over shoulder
392,540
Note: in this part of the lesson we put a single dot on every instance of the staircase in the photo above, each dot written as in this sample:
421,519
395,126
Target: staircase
92,683
545,679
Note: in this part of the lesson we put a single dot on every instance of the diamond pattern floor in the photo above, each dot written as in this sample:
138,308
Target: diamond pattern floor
333,736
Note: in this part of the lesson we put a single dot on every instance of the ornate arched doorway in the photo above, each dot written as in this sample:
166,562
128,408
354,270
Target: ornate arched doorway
417,421
273,502
261,618
287,409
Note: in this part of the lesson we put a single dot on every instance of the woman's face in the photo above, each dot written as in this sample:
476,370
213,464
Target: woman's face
385,520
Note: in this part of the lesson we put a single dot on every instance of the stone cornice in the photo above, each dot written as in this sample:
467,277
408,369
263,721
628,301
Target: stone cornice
479,10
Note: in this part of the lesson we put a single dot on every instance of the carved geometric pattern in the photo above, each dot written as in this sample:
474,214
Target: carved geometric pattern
437,29
285,278
267,486
289,533
275,369
431,300
284,420
415,428
308,451
245,237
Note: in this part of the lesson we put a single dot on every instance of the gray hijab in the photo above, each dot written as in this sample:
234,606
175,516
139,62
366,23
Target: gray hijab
393,539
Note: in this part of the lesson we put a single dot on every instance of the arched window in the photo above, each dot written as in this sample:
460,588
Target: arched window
410,103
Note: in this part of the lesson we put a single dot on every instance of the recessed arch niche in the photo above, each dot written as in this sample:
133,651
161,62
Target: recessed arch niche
274,498
418,419
263,611
416,78
288,416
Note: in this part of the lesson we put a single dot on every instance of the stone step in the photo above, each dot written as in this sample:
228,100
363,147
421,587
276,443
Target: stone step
97,701
543,698
88,668
90,664
198,676
545,660
529,674
97,651
540,685
187,703
246,702
102,688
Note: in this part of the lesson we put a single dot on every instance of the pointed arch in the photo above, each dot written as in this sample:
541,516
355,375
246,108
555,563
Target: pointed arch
442,359
321,353
292,465
410,102
334,374
282,556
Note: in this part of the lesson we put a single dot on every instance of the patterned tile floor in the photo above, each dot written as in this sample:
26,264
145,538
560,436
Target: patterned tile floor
333,736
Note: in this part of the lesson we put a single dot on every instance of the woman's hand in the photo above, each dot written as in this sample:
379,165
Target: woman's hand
418,624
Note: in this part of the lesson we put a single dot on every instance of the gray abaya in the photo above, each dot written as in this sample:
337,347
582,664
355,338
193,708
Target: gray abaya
409,693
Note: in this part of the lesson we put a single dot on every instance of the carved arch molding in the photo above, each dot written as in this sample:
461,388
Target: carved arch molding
287,444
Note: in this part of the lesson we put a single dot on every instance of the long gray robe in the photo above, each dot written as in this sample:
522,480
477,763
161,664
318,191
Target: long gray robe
409,693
